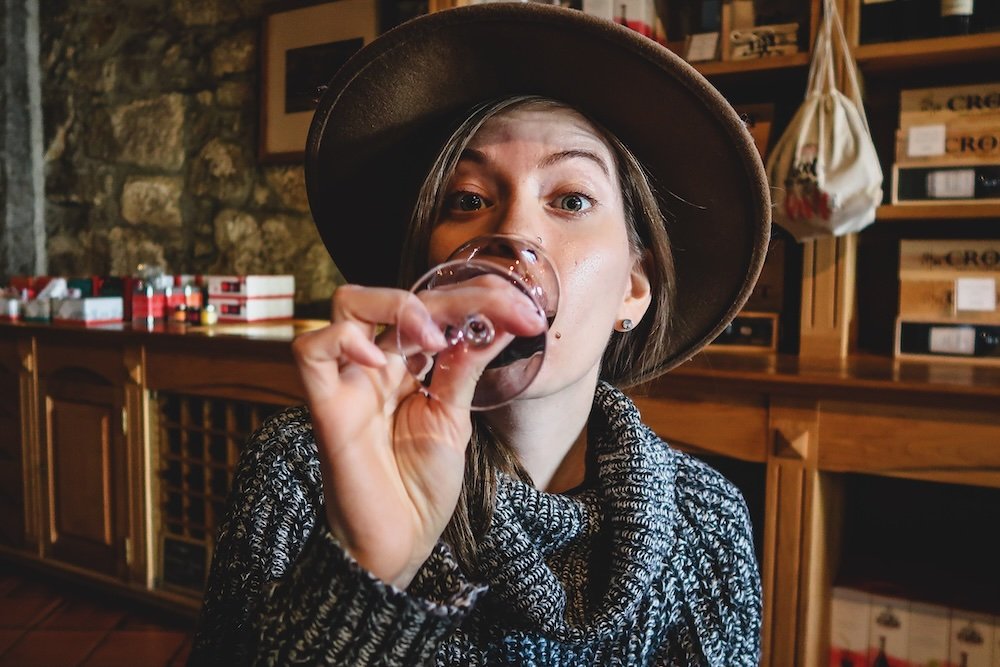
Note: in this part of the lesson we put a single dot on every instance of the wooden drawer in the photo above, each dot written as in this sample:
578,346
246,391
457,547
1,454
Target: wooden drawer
930,443
727,425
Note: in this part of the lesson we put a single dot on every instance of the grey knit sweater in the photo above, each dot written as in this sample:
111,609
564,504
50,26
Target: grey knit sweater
652,564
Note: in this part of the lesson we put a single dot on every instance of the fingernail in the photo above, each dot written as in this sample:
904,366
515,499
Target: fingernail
530,310
433,338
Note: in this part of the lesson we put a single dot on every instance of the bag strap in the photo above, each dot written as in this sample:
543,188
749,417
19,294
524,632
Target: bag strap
822,60
822,78
850,66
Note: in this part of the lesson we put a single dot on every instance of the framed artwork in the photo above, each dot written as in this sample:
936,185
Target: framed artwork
303,46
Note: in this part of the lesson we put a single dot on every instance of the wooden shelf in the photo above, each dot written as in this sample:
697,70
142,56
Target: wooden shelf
720,68
895,56
854,376
961,211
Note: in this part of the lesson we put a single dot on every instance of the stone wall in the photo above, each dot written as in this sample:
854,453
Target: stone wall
150,114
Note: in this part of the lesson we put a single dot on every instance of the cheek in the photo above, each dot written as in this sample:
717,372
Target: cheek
591,289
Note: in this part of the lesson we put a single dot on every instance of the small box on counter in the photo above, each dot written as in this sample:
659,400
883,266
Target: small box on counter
252,310
849,611
251,286
88,310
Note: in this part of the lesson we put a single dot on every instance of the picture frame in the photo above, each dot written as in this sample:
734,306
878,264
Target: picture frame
303,44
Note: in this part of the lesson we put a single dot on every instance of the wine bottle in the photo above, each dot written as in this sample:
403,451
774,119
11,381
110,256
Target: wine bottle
881,660
956,16
877,19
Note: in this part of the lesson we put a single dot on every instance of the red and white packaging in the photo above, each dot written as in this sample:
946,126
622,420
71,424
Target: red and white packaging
996,641
849,611
639,15
971,639
604,9
888,630
251,287
928,646
88,310
252,310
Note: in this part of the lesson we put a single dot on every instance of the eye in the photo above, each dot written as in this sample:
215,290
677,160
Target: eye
574,202
465,201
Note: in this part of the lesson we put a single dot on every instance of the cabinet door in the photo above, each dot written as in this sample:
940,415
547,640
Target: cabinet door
85,460
12,528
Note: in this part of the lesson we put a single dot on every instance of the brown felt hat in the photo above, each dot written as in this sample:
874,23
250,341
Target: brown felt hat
389,110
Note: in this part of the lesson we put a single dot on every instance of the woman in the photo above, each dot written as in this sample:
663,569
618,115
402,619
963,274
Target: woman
381,526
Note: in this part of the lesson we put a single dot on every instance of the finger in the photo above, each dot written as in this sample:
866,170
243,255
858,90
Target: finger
507,307
321,354
369,307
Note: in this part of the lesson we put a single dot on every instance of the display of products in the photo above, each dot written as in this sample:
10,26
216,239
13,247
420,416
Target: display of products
956,16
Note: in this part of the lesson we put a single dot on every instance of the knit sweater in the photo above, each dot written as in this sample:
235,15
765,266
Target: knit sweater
652,564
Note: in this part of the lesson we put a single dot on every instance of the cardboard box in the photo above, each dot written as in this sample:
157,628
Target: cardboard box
959,141
88,310
252,310
888,630
251,286
928,645
948,341
946,182
36,310
950,280
979,98
971,639
849,612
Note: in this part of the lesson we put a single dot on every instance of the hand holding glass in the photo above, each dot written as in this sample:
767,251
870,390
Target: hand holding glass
499,261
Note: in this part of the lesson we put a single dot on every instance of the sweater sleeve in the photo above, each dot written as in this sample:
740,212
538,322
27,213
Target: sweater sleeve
716,568
282,590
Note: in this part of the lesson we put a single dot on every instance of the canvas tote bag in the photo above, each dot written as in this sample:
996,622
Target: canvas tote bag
825,175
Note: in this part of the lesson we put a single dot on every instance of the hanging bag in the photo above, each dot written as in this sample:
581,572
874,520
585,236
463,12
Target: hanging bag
824,172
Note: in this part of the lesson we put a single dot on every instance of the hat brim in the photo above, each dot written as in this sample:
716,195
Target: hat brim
387,112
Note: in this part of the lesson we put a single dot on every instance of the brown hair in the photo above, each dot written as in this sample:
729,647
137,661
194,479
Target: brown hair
629,357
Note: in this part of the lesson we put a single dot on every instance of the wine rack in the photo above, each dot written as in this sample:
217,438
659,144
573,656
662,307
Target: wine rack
199,443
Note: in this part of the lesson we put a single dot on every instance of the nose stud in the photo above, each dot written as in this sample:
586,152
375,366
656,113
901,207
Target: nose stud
539,238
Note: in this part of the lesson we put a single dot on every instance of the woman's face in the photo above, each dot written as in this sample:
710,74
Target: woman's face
545,173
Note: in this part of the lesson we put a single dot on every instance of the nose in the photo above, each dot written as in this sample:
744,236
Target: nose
520,216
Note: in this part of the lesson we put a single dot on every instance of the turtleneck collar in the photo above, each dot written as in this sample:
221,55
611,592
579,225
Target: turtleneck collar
630,505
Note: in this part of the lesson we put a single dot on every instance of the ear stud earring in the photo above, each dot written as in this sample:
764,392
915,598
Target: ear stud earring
626,325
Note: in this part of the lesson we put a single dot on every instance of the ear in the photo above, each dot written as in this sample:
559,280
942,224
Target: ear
638,293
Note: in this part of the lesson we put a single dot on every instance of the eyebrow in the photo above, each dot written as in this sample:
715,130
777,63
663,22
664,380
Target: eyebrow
574,153
473,155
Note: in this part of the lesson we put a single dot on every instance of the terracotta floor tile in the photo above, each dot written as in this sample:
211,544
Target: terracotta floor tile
152,620
24,613
8,637
52,648
7,583
77,614
32,588
131,648
181,657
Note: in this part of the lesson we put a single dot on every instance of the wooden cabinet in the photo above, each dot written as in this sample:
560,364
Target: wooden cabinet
16,390
824,430
82,430
117,447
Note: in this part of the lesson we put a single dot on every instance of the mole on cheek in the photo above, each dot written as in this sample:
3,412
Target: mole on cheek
558,335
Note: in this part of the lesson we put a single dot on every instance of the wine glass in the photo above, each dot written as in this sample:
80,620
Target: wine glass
512,366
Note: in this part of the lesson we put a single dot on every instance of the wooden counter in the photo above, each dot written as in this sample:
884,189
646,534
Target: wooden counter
117,446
